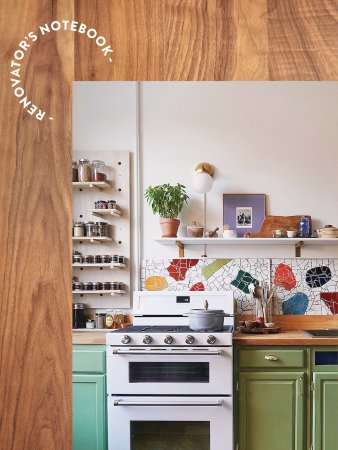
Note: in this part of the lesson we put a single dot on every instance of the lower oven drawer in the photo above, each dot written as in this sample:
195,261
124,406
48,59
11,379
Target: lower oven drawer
170,372
152,423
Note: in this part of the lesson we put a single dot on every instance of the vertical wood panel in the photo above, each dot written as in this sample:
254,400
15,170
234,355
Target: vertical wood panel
210,40
35,205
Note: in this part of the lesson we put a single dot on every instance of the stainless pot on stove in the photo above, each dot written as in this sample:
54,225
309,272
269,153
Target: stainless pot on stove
206,319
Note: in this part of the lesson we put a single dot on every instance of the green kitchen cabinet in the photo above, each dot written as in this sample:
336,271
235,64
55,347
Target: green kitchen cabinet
89,398
325,399
271,410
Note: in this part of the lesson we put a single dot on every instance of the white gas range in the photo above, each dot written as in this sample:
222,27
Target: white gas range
169,387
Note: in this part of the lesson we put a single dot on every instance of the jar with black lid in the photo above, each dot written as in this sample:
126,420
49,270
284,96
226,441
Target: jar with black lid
99,320
96,259
106,285
87,286
120,286
111,204
102,228
105,259
84,171
77,259
78,229
78,315
91,229
87,259
97,286
114,285
77,286
122,260
115,258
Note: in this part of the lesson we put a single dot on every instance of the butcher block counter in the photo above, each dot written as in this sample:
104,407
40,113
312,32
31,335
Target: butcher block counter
291,337
90,337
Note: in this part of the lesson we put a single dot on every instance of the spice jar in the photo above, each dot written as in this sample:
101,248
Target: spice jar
87,259
115,259
99,320
97,286
118,318
111,204
84,171
109,318
120,286
91,229
75,172
105,259
90,324
78,229
122,259
99,170
114,285
78,315
106,285
77,286
102,228
77,258
87,286
96,259
101,204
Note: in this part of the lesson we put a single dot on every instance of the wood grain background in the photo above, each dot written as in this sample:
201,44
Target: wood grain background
152,40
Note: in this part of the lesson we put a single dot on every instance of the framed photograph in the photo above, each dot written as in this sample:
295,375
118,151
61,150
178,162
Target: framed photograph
243,212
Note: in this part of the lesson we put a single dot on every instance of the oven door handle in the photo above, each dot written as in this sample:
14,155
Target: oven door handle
168,352
168,403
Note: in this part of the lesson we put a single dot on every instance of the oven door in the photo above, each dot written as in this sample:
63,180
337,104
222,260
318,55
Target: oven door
170,423
174,371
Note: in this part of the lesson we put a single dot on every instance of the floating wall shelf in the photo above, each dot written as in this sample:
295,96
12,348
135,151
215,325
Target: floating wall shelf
92,240
297,242
105,212
116,292
110,265
99,185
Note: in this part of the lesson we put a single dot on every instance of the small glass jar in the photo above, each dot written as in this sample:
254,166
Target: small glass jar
111,204
75,172
77,286
78,229
118,318
87,286
96,259
114,285
109,318
77,259
122,259
78,315
90,324
106,285
97,286
91,229
105,259
102,204
115,259
102,229
99,170
87,259
84,171
120,286
99,320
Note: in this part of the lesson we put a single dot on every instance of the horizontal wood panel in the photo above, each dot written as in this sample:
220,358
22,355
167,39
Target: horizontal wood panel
210,40
303,322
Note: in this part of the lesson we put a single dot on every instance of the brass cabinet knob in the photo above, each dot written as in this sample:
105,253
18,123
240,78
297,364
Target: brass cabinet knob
271,357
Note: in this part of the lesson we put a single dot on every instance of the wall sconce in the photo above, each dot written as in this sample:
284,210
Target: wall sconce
202,183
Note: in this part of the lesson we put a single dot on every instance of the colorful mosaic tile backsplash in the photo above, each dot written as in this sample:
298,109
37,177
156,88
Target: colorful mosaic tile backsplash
305,286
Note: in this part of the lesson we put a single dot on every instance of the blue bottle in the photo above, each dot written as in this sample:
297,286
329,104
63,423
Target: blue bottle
304,227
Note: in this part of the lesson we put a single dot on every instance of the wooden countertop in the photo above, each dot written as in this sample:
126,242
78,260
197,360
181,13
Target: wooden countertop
90,337
291,337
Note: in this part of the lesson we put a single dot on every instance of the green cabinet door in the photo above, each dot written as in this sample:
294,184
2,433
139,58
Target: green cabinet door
271,410
89,412
325,411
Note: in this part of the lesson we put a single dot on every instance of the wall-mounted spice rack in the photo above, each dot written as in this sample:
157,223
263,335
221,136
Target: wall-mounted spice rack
105,212
87,194
110,265
97,185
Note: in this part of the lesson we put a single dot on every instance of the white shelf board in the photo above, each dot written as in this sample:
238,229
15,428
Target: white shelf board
116,292
110,265
91,184
247,241
93,239
105,212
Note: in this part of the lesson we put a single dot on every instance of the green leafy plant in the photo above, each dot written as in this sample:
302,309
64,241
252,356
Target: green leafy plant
166,200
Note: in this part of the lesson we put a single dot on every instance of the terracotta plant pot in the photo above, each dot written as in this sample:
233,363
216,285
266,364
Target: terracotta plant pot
169,227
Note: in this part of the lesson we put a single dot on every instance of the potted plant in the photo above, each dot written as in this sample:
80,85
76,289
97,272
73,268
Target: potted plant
167,201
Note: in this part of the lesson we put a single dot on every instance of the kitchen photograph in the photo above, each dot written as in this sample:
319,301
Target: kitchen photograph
205,265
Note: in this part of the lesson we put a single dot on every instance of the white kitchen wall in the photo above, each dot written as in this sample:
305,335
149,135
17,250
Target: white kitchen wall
277,138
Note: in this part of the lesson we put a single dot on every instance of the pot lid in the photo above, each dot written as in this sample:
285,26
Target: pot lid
206,312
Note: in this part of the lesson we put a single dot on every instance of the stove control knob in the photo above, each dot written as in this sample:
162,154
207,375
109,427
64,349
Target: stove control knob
168,339
147,339
189,340
125,339
211,340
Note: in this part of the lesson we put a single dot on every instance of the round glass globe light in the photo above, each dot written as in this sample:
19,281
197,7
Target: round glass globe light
202,182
